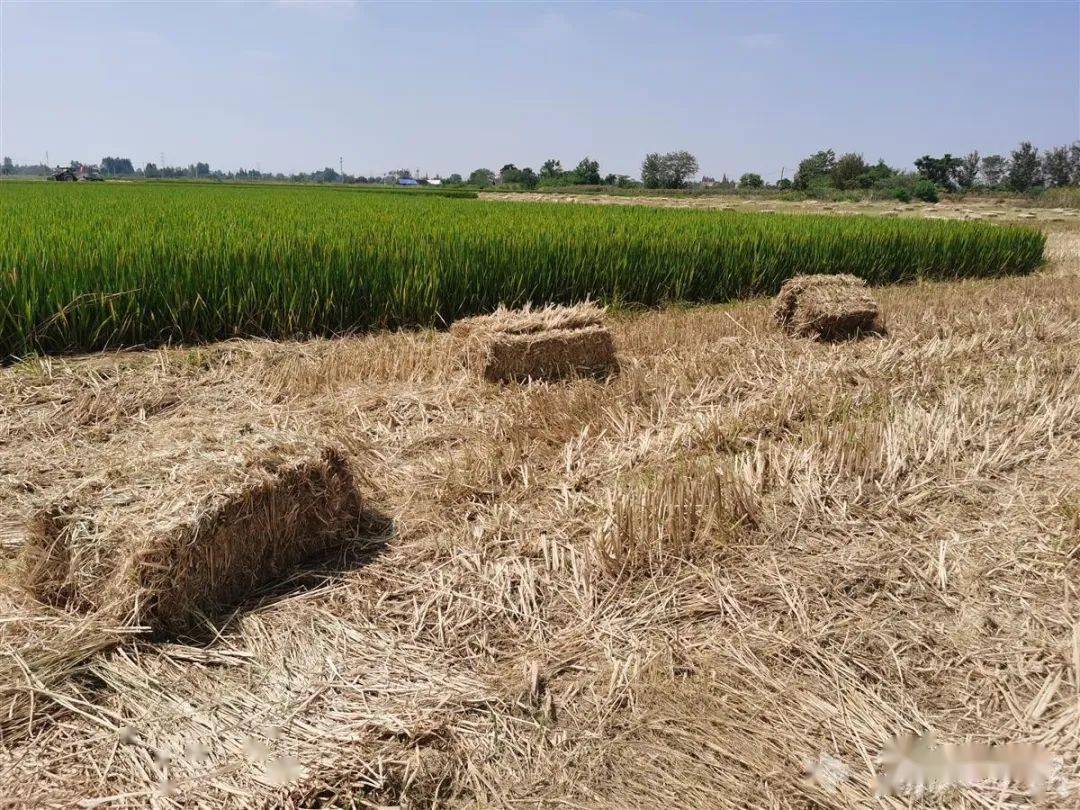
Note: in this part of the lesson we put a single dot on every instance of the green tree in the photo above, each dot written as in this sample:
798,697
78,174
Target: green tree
8,168
151,170
994,168
678,168
652,170
1056,168
1074,163
926,190
510,174
751,180
528,178
587,172
551,169
116,166
940,171
454,179
815,170
880,175
1024,169
482,178
968,170
848,170
784,183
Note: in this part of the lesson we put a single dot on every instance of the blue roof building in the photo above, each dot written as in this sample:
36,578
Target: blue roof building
407,181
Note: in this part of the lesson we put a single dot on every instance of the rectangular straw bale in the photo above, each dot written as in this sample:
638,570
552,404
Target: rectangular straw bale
827,307
186,524
529,320
551,354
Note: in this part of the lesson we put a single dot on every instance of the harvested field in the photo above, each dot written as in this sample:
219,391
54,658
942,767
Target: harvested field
727,576
827,307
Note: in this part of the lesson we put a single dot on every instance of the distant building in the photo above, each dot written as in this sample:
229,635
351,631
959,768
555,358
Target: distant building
407,181
434,181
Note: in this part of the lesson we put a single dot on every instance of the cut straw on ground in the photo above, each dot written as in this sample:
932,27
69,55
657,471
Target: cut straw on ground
857,539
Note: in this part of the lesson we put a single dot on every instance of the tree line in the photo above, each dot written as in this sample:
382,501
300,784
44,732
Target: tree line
1024,169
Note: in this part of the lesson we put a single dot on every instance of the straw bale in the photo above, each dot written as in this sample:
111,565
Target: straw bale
552,354
529,320
826,307
551,342
179,525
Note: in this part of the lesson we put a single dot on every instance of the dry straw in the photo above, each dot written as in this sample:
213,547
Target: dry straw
896,552
548,343
827,307
191,527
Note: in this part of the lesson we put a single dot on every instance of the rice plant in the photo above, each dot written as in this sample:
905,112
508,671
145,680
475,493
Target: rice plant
86,267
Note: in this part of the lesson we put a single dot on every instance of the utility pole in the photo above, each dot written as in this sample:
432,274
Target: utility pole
341,169
47,159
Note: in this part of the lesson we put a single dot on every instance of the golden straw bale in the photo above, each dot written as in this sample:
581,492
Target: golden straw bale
552,354
180,524
529,320
552,342
827,307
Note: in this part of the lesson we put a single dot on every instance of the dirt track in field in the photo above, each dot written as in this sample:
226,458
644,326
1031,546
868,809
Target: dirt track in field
996,210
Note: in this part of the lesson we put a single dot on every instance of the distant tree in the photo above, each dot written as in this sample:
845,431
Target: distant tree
848,170
8,167
815,169
940,171
203,169
551,169
784,183
880,175
454,179
482,178
926,190
968,170
1024,168
1056,168
751,180
150,170
327,175
587,172
1074,163
669,170
994,168
509,174
652,170
116,166
679,167
529,178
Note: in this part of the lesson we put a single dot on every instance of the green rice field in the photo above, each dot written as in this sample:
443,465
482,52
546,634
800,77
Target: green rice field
93,266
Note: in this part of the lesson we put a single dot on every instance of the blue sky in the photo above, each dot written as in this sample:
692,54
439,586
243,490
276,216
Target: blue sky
292,85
